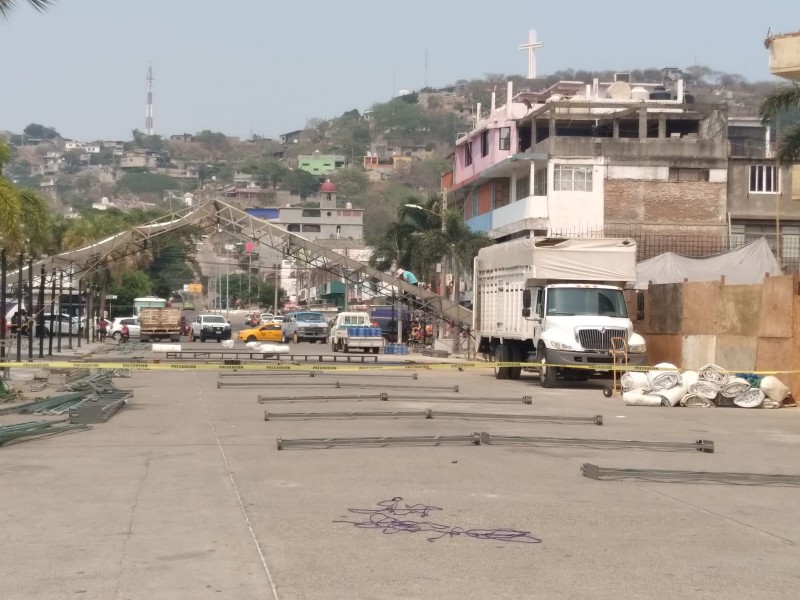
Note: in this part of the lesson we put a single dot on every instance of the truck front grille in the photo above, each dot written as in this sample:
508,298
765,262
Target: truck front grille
599,339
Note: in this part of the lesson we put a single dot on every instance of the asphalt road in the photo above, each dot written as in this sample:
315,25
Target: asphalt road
184,495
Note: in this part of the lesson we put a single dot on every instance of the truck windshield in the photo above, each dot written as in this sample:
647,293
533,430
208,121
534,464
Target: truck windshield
586,301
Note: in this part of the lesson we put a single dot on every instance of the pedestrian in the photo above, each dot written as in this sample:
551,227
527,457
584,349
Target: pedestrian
102,328
124,334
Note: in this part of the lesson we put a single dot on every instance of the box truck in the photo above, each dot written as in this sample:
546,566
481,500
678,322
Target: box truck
555,301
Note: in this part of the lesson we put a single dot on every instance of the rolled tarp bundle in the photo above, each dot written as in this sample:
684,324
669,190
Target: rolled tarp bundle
689,378
670,397
694,401
665,378
633,380
253,346
705,389
640,398
752,398
714,374
735,388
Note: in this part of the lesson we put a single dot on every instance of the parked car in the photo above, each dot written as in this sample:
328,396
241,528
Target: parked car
210,327
269,332
305,326
61,322
133,327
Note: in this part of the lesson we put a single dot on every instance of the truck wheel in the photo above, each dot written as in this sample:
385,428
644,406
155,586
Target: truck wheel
295,338
375,350
547,376
345,348
516,356
202,338
501,355
333,345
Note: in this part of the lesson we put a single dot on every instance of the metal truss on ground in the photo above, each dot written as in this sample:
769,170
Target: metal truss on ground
219,216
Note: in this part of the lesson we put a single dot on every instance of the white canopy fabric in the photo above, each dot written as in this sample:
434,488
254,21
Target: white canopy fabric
745,265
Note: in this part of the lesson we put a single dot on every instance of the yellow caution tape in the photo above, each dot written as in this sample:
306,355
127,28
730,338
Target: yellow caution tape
287,366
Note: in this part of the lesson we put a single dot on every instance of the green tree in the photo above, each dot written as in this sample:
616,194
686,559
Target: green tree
40,132
132,284
154,143
216,142
267,172
784,99
351,182
147,183
6,6
301,183
23,214
402,123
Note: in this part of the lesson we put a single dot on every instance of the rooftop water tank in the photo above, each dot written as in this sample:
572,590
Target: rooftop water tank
660,93
640,94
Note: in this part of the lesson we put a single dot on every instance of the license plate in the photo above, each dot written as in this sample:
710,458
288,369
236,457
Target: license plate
217,330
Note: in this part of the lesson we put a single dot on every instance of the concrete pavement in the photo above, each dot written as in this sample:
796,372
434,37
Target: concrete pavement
184,495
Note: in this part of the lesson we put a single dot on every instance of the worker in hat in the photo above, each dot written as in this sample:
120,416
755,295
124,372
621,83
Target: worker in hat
407,276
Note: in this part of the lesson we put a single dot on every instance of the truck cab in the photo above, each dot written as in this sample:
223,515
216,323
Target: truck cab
354,330
577,324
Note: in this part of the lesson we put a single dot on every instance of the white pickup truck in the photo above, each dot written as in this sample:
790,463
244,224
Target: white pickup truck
354,330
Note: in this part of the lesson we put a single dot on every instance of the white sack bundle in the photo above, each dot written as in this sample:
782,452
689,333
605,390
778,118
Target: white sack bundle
670,397
694,401
774,389
253,345
639,398
714,374
665,378
705,389
735,387
274,349
752,398
633,380
227,344
689,378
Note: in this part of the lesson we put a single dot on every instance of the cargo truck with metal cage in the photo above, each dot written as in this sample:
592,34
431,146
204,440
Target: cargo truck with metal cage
555,301
353,330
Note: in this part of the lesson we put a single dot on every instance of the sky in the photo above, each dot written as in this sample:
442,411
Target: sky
267,66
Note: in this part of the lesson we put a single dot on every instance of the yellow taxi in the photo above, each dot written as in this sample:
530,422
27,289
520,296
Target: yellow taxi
267,332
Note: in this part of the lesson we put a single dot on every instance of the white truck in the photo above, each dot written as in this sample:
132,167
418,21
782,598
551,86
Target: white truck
353,330
554,301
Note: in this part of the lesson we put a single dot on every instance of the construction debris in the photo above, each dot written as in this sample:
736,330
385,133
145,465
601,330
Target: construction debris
10,433
430,414
668,476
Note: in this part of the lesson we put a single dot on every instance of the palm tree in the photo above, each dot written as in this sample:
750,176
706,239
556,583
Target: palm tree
6,6
24,215
781,100
420,239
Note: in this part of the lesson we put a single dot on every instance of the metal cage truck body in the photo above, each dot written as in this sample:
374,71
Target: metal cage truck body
157,324
352,330
555,301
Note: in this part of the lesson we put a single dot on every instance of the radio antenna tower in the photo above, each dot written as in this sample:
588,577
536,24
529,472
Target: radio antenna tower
148,117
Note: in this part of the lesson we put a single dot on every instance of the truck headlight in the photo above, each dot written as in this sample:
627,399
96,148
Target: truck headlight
638,349
561,346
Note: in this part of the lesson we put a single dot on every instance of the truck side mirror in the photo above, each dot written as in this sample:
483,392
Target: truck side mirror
526,312
526,302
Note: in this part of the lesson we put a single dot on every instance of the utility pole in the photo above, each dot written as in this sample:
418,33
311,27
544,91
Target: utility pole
3,283
40,310
277,283
31,310
20,265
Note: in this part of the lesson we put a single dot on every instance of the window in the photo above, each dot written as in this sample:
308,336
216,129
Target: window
467,154
684,174
311,212
473,199
523,187
540,182
764,179
293,227
311,228
572,178
505,138
485,142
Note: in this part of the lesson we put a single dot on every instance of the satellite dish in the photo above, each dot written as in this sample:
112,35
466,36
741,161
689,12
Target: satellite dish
619,90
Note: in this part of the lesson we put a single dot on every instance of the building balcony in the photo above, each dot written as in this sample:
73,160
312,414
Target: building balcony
520,212
784,59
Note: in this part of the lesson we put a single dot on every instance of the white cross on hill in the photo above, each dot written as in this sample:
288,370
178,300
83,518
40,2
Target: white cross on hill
531,47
